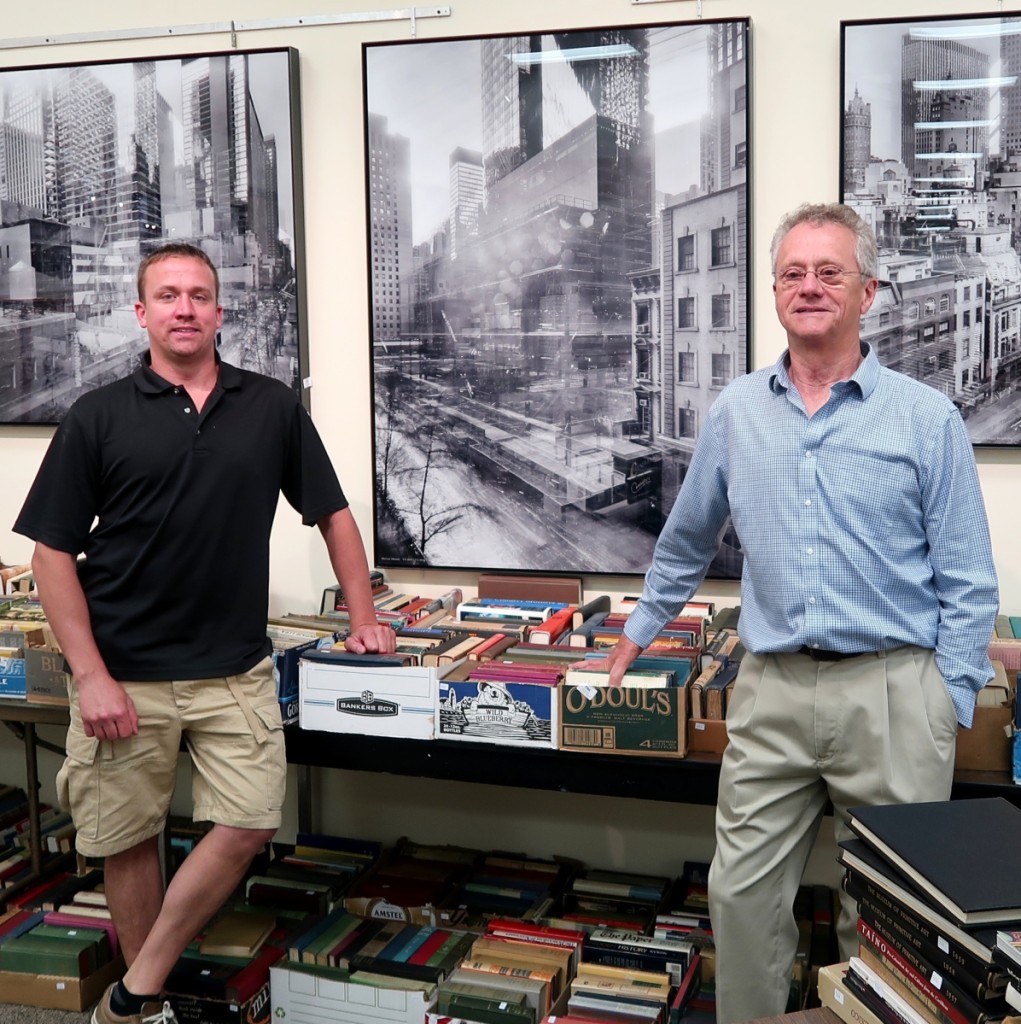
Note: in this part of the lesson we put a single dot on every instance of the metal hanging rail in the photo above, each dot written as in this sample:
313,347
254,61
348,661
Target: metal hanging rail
411,14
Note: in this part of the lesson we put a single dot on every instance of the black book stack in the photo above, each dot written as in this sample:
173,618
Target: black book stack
934,883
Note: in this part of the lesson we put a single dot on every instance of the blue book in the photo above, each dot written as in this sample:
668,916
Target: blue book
407,934
416,942
503,602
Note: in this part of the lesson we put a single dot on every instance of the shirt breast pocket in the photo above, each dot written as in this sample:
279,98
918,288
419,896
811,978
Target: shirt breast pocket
874,487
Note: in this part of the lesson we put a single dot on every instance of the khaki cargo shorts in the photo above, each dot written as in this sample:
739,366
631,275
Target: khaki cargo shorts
119,791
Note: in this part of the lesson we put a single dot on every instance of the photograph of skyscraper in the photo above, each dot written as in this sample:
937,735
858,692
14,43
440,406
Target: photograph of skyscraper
931,158
558,288
102,163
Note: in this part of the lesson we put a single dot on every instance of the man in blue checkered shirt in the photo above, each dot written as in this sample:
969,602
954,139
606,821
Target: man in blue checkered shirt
868,595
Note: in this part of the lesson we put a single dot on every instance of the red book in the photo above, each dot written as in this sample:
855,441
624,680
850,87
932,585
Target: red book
351,943
33,894
250,978
549,631
544,935
899,968
515,672
431,944
18,923
496,640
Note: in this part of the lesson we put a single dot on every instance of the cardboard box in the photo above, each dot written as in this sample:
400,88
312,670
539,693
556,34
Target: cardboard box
13,681
46,675
195,1010
988,745
381,701
707,736
624,720
55,993
304,995
33,672
381,893
286,665
508,714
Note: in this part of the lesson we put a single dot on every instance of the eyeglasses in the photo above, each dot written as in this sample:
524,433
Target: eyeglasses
828,277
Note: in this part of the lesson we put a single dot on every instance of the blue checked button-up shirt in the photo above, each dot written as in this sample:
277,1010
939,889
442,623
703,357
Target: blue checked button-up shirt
862,526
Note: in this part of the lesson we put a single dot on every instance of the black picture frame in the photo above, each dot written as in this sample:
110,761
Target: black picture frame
105,161
930,131
558,287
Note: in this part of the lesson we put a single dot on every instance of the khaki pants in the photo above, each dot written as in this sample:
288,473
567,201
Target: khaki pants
876,729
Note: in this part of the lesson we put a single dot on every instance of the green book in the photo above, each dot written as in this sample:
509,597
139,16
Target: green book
326,940
1002,628
455,946
492,1010
1015,625
65,958
99,937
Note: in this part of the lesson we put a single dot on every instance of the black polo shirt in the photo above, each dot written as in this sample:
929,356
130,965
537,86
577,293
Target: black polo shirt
173,511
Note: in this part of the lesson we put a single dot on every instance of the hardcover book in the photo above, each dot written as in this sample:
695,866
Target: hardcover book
866,871
929,842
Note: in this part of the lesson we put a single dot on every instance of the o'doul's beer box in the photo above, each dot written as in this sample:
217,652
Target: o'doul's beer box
636,719
368,694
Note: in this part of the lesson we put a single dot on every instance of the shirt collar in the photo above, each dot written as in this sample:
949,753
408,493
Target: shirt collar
865,378
149,381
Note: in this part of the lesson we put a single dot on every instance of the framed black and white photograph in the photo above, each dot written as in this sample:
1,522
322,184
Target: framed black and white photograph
100,164
931,158
558,268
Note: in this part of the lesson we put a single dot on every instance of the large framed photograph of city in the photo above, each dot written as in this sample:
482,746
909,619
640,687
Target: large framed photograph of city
100,164
558,250
931,157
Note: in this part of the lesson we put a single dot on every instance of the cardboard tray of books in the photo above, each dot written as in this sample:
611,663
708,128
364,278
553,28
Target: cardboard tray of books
366,694
51,992
640,720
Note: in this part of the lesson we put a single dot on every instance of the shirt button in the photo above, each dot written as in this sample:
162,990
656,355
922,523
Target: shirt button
808,501
808,551
187,408
811,600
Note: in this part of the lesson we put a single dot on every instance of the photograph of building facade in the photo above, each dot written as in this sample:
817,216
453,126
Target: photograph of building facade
931,142
559,288
102,163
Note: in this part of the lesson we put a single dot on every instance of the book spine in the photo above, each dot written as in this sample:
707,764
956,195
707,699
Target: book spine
250,979
875,951
916,949
862,888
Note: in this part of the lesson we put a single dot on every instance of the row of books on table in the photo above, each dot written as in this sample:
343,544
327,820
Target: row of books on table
939,900
513,673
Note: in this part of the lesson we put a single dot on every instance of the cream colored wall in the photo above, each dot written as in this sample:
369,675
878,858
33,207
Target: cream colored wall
795,99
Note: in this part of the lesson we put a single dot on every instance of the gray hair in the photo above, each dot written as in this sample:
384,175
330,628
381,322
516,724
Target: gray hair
865,248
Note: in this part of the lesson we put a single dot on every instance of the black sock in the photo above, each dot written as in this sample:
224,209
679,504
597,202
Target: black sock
125,1003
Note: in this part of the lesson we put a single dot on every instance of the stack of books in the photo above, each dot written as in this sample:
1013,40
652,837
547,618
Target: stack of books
600,899
934,884
508,886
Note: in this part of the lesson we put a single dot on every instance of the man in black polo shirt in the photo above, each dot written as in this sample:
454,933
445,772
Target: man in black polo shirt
167,481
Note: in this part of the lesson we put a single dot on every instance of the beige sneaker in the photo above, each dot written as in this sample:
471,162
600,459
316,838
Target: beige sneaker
152,1013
